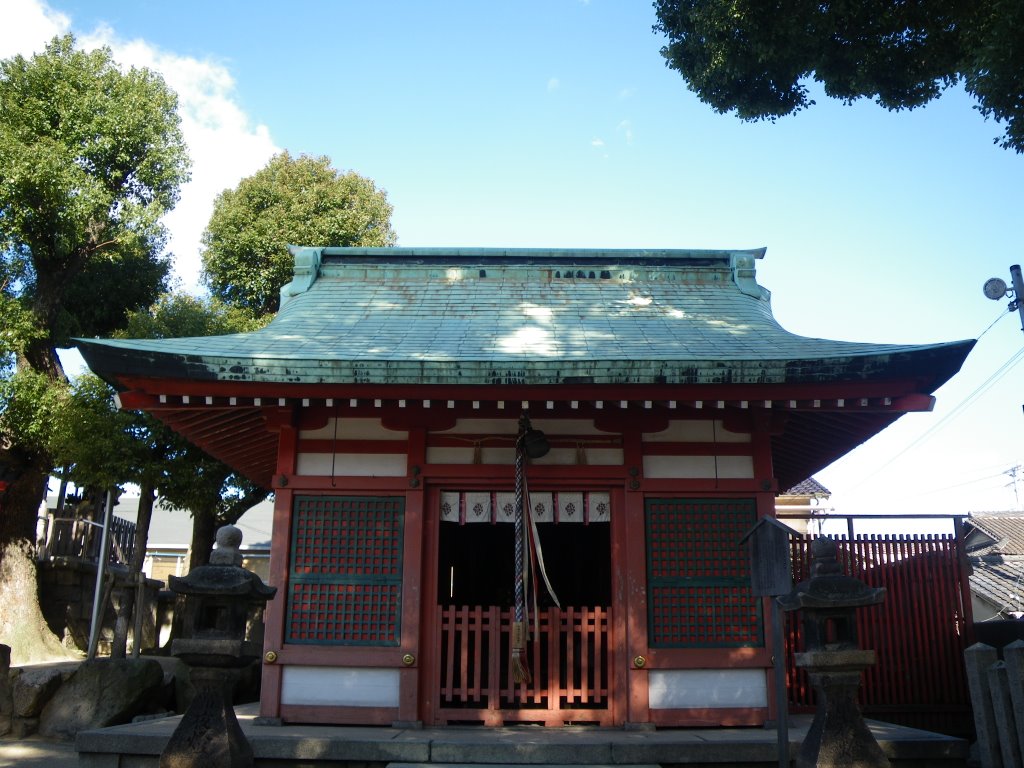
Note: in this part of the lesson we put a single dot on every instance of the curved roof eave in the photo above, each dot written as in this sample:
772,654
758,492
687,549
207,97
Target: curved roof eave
931,365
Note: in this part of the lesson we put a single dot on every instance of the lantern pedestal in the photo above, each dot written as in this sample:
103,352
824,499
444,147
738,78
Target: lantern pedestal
838,735
209,733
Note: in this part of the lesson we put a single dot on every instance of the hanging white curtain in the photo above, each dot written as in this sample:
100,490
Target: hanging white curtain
546,507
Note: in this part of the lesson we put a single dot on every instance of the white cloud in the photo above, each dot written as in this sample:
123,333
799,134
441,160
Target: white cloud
28,25
597,143
223,144
626,129
553,84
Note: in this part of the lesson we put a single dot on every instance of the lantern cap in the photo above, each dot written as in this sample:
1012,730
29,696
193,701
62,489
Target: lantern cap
828,586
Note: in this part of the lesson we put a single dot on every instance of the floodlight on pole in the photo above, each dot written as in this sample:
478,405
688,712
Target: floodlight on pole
995,288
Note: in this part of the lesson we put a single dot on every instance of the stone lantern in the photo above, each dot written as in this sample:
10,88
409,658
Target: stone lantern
221,600
838,736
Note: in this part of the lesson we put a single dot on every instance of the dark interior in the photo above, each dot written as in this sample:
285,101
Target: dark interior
476,564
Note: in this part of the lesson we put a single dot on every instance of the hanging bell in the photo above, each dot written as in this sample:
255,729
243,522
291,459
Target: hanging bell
534,443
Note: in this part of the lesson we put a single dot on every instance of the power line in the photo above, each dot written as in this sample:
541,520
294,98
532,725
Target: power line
967,401
959,408
960,485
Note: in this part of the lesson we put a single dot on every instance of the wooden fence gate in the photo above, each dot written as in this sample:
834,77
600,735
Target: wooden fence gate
919,632
568,667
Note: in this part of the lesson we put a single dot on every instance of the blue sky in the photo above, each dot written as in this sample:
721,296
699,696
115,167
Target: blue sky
556,123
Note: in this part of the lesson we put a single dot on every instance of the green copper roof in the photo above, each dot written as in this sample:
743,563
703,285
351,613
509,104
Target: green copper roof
520,316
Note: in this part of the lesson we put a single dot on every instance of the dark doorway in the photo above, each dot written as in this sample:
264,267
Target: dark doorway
476,563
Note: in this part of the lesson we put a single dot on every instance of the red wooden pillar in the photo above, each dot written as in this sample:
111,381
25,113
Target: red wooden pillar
764,425
412,643
287,455
429,657
631,670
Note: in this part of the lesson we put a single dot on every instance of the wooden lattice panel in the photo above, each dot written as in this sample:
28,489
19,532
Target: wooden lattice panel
346,570
697,574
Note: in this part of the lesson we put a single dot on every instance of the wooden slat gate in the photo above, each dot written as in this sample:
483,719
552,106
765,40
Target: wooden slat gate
568,666
79,537
919,632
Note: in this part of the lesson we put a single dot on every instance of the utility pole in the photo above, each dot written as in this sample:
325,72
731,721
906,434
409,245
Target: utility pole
996,289
1013,472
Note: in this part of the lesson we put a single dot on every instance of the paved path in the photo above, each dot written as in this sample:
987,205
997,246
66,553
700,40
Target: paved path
35,752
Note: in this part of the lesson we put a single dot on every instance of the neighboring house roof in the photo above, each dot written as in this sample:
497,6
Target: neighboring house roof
999,581
995,533
515,323
809,487
995,546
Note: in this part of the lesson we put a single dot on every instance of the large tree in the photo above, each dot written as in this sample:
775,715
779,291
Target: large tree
291,201
755,58
91,158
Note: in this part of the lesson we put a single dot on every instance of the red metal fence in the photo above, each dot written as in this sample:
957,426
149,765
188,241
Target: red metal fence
568,667
919,632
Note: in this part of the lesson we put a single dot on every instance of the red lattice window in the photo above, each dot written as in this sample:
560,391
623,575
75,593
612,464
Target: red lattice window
697,574
346,570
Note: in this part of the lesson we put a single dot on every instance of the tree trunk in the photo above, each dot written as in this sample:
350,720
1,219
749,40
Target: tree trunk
204,532
22,625
126,598
23,498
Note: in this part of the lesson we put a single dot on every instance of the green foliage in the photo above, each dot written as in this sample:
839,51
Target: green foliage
17,330
297,201
91,157
179,314
99,445
31,409
754,58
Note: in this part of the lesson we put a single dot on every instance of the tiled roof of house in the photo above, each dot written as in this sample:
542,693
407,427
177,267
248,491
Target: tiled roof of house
999,580
522,317
995,533
995,546
809,487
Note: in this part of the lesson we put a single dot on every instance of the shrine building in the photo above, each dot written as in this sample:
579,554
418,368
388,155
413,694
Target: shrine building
510,484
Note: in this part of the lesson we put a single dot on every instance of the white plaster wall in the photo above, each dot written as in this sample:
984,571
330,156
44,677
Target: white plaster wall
353,464
339,686
707,688
353,429
699,467
696,431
